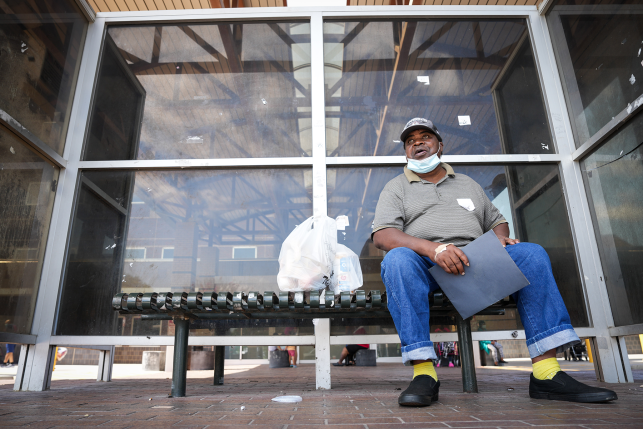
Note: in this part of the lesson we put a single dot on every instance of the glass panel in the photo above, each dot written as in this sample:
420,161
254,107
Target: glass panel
27,188
307,353
254,352
336,351
124,220
460,74
211,91
40,50
599,55
480,323
389,350
232,352
613,179
519,106
529,196
116,122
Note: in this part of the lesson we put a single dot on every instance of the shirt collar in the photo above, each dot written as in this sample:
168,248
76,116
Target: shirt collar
412,177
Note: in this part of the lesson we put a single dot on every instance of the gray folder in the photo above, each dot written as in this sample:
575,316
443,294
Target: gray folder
491,276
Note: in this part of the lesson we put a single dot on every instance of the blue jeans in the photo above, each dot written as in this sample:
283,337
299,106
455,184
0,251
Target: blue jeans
541,308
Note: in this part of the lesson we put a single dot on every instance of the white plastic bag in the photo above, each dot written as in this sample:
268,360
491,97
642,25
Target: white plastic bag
347,272
306,257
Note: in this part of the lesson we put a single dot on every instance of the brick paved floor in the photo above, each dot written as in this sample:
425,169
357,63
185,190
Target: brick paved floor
364,398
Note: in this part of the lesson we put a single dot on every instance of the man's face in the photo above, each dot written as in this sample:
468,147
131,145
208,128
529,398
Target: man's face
422,144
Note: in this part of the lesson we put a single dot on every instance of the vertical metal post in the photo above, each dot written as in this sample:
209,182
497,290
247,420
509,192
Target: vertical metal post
35,374
219,363
625,361
322,354
105,364
469,380
51,364
318,114
25,349
611,368
318,107
180,369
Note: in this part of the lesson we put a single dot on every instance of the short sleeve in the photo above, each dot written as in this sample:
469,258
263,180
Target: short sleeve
389,212
492,216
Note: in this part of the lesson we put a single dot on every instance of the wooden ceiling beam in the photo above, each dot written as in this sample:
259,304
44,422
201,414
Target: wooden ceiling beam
234,57
203,44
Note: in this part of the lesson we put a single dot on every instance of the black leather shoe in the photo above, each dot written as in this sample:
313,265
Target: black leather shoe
420,393
564,388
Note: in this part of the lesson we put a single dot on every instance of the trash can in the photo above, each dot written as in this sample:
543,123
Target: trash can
366,358
278,359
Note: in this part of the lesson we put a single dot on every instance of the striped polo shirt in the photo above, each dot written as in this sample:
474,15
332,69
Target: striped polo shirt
432,211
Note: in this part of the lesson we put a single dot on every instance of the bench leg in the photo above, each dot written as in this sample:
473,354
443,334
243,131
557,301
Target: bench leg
469,380
180,367
219,363
105,364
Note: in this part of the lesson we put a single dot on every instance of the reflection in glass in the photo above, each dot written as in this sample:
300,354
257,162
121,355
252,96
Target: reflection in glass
614,178
308,352
125,222
232,352
519,106
115,126
254,352
529,196
470,77
389,350
211,91
40,49
598,50
27,188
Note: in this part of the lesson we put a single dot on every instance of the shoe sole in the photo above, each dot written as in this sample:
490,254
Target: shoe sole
581,397
417,400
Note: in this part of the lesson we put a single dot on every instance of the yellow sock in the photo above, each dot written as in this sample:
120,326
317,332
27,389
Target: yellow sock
425,368
546,369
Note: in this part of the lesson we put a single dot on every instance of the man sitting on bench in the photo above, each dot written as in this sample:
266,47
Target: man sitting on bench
420,223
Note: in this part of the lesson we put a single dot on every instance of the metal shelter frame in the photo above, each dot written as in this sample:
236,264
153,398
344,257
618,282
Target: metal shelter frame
34,372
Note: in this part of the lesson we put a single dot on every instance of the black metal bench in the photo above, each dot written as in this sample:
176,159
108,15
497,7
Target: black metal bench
183,307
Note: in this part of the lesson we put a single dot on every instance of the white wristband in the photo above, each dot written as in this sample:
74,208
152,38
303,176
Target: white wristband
441,248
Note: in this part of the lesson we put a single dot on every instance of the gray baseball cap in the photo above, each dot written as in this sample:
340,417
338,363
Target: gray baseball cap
419,124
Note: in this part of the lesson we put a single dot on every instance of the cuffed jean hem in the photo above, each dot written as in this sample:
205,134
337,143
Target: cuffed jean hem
419,351
561,339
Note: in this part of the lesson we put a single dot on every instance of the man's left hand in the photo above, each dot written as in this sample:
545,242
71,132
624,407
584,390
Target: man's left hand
506,240
502,232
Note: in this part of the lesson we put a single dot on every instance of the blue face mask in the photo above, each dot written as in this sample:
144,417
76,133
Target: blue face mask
424,165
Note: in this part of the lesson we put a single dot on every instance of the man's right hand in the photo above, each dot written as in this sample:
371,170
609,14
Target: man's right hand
452,260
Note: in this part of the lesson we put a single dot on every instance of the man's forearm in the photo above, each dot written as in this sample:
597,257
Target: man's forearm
390,238
502,229
502,232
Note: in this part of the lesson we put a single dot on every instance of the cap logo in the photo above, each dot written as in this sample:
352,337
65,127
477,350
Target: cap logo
417,121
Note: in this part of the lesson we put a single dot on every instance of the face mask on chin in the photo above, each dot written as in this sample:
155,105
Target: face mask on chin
425,165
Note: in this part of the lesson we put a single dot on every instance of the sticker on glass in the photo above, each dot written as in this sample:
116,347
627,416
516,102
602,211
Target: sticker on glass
464,120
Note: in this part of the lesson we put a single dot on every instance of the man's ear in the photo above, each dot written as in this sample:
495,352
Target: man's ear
440,150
